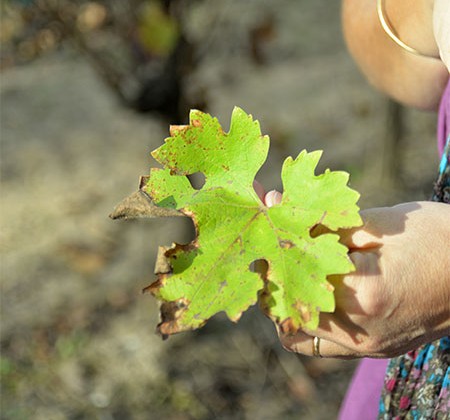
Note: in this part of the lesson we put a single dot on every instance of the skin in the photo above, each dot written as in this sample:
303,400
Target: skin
398,298
441,29
413,80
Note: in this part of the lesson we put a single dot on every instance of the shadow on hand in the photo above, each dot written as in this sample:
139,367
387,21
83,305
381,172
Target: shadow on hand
364,251
377,223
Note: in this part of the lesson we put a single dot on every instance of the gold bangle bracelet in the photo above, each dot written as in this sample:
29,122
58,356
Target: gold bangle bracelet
390,32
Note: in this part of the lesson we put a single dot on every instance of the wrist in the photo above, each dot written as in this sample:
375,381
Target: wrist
438,283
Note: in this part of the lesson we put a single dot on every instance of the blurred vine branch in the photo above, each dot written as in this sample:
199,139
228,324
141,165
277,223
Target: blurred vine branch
137,47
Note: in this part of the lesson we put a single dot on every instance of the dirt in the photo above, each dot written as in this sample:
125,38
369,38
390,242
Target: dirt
78,336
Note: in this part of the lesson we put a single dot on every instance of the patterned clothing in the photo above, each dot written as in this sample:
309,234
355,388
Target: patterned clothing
442,186
417,384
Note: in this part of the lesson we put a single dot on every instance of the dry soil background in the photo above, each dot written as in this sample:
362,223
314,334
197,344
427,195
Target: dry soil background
78,337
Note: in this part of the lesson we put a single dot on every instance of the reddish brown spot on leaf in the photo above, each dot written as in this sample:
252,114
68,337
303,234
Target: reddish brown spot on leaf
287,326
304,311
173,129
329,287
154,287
286,244
170,314
143,181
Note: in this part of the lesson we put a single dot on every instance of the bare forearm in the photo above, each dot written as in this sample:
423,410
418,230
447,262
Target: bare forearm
413,80
437,242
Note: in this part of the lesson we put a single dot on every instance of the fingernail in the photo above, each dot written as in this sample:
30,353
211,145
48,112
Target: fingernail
272,197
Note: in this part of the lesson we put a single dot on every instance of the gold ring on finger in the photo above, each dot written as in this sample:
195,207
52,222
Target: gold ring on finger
316,347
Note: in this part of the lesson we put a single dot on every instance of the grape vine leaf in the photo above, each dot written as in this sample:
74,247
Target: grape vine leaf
234,228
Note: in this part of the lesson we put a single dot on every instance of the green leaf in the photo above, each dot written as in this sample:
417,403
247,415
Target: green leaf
234,228
157,31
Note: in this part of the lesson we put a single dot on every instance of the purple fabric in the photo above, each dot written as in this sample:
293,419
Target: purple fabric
363,395
444,119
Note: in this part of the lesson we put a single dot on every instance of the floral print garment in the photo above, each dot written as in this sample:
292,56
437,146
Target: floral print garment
417,384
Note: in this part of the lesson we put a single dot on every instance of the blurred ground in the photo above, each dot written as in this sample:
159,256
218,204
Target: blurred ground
78,338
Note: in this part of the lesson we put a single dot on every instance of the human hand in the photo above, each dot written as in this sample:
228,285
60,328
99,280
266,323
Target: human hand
399,295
